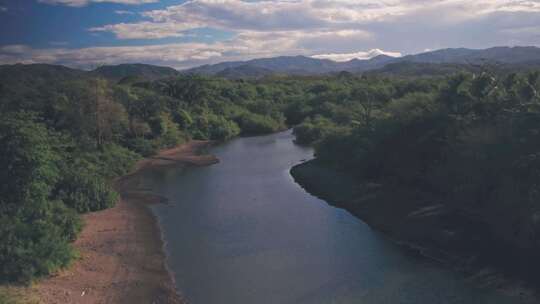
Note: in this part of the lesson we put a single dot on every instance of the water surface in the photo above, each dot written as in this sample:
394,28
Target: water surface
243,232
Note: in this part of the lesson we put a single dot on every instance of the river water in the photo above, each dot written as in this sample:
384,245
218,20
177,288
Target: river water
243,232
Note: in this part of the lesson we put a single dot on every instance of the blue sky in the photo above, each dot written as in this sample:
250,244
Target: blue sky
185,33
44,24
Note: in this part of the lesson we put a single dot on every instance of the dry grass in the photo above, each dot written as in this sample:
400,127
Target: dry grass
18,295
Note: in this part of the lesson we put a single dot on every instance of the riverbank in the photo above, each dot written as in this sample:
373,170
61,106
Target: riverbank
121,250
429,229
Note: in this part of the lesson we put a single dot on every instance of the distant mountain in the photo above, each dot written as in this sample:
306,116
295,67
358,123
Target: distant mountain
440,62
506,55
421,69
302,65
40,74
29,83
357,65
17,78
283,64
244,71
134,71
20,73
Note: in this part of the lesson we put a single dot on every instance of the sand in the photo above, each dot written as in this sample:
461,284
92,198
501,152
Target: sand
121,251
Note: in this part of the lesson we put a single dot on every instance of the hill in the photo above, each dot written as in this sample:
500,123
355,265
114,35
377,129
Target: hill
244,71
141,71
449,60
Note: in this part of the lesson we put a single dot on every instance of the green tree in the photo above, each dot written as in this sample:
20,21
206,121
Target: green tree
35,231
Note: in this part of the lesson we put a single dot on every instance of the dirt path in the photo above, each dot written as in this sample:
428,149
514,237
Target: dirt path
122,260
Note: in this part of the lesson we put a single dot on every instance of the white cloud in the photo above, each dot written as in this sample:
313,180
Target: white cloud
247,46
528,30
3,9
280,15
122,12
332,29
142,30
358,55
80,3
178,55
15,49
264,16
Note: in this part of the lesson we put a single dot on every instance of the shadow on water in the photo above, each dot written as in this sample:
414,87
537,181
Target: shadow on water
242,232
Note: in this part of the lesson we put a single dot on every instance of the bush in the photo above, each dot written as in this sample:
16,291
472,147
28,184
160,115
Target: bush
167,132
36,241
222,129
297,111
413,107
112,161
84,185
213,127
313,130
142,146
35,230
85,192
257,124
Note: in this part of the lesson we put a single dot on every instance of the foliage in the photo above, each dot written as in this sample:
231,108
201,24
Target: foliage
143,146
467,139
214,127
313,130
85,192
35,230
168,132
17,295
256,124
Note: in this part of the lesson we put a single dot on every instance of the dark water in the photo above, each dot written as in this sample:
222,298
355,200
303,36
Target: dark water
242,232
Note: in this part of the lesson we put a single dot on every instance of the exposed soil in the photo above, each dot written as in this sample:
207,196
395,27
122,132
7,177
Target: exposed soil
122,258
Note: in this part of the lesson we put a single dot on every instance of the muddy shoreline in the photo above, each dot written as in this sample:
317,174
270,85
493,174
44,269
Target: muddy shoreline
122,259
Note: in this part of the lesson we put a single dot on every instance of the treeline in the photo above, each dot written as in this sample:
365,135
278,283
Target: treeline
464,136
469,144
470,140
64,136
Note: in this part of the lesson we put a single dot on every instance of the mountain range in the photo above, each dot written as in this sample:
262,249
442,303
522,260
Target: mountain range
440,62
302,65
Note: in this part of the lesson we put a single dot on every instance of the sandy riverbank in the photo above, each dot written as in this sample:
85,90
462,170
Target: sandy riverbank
122,258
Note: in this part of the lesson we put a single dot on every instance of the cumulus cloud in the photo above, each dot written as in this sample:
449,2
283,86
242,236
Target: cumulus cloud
122,12
170,54
358,55
15,49
143,30
333,29
245,46
264,16
178,55
80,3
280,15
345,26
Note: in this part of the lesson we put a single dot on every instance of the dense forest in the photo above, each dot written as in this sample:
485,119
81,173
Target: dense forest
65,135
449,163
469,141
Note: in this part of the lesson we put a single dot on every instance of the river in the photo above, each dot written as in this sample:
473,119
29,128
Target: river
243,232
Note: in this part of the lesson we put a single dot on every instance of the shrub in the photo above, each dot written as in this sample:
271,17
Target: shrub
142,146
213,127
256,124
86,192
313,130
